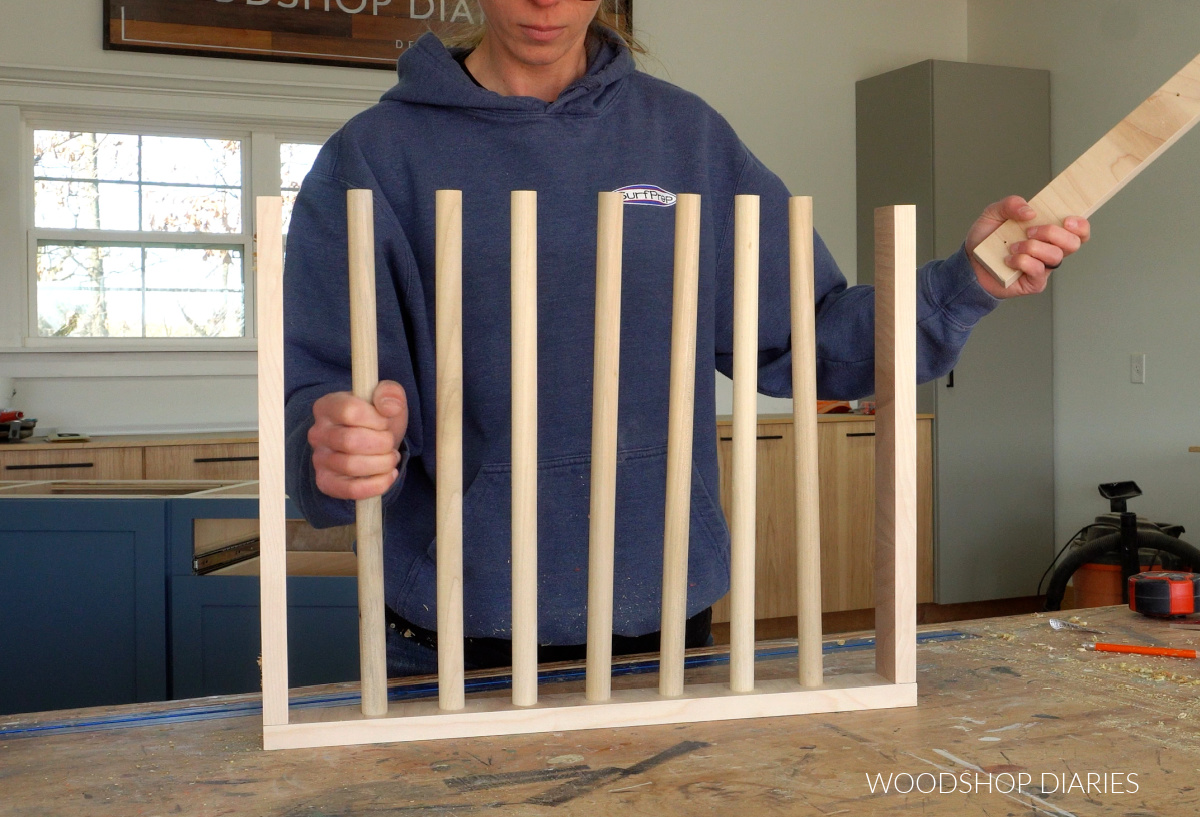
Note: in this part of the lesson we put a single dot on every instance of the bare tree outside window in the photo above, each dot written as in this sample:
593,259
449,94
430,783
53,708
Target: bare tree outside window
295,160
138,236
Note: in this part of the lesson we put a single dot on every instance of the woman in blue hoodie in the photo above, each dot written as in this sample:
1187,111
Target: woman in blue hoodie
549,100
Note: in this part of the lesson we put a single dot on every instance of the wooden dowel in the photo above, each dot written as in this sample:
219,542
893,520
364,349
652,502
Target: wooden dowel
272,531
364,372
679,444
896,443
605,388
524,447
804,423
745,439
448,317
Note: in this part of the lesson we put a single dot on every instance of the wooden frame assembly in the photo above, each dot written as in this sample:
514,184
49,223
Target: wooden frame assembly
453,715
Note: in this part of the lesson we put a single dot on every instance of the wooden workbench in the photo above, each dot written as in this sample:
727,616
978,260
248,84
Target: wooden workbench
998,696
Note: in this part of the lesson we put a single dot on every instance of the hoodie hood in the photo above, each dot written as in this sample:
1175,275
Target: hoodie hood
429,75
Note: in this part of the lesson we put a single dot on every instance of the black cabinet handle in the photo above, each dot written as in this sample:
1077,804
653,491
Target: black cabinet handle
760,436
860,434
41,467
225,459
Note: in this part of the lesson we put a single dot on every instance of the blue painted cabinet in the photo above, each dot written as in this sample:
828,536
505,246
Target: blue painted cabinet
215,633
82,603
99,605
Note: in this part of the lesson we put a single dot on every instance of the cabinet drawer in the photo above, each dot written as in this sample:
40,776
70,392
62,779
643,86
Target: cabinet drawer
216,461
72,463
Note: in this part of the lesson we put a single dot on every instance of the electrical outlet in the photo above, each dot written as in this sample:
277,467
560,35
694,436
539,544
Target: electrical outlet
1137,368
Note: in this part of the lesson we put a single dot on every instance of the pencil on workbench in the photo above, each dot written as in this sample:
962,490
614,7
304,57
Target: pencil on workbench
1133,649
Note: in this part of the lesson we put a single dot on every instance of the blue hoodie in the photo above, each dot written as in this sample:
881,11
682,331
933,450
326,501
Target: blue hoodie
614,128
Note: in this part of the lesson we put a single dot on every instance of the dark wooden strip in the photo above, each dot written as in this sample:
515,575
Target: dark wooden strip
181,36
315,20
390,28
49,466
361,49
110,31
265,55
272,32
398,9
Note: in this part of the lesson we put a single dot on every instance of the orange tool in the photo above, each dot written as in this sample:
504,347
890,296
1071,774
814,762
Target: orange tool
1133,649
1164,593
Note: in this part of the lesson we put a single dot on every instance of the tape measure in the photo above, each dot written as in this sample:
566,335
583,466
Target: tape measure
1164,593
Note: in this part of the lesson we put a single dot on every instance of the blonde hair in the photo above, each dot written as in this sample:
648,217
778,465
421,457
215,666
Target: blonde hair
607,25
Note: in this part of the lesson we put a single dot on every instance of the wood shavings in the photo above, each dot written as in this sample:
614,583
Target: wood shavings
1157,674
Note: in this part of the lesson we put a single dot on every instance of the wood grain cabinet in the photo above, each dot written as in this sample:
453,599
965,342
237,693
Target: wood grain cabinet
144,456
846,460
43,463
217,461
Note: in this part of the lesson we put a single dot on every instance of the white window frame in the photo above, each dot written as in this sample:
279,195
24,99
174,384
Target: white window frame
292,137
260,176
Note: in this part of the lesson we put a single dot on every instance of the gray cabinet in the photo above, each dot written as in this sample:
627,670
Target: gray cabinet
952,138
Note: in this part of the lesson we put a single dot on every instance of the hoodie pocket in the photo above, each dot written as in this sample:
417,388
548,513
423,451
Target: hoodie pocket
564,486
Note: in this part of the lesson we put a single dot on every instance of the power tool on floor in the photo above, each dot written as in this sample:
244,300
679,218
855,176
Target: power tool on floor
1117,546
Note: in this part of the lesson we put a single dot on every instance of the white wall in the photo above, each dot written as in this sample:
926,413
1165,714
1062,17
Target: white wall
1136,287
783,73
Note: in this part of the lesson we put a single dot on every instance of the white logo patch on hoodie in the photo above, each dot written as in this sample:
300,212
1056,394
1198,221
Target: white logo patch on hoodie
648,194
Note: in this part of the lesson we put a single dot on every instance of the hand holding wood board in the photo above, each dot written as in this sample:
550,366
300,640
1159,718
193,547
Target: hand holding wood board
1106,167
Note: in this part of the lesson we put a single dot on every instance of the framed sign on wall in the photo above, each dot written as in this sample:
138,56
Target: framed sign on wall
360,33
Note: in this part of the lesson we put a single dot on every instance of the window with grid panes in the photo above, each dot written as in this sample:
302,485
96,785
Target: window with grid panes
139,236
295,160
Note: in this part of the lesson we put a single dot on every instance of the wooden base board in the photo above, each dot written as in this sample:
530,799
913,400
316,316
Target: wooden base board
482,717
